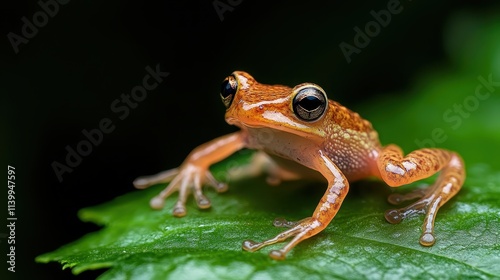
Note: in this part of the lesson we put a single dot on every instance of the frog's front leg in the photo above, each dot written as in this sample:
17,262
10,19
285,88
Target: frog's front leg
327,208
193,173
397,170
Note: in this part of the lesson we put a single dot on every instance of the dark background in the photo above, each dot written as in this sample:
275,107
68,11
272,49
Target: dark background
66,77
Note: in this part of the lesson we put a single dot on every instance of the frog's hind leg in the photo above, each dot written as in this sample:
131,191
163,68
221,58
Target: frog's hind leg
397,170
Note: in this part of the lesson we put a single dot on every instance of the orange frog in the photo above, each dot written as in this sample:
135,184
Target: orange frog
299,133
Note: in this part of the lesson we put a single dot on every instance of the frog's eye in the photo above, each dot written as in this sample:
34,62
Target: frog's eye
228,89
309,103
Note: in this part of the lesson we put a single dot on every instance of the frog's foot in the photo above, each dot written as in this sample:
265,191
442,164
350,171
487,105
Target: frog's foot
428,204
187,179
299,230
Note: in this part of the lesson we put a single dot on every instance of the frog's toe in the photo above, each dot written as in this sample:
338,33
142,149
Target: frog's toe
202,201
157,203
251,246
398,198
393,216
281,222
141,183
162,177
277,255
220,187
179,209
427,239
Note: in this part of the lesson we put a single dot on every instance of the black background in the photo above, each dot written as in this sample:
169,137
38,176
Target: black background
66,77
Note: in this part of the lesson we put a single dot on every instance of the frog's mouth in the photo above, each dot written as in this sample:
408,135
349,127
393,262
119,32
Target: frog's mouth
240,124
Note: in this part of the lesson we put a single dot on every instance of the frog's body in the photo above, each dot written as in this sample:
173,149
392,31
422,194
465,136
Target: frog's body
300,133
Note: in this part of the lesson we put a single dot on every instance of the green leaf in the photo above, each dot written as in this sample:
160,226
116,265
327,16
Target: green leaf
140,243
137,242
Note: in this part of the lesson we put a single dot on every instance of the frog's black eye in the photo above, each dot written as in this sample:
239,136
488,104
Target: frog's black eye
228,90
309,103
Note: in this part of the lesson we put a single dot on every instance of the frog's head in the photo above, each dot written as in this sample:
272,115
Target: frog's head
299,110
